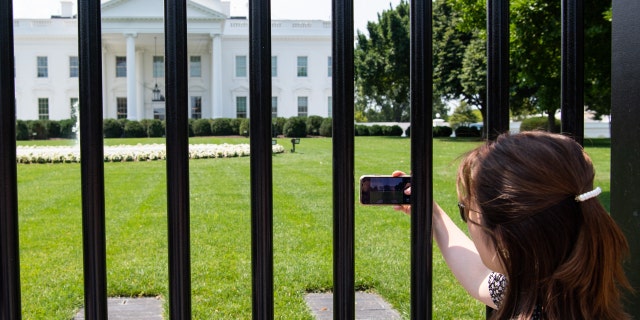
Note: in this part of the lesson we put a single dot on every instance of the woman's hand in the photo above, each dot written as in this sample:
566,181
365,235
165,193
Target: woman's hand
404,208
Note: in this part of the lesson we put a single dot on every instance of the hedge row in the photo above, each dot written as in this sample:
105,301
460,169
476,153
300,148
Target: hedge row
121,128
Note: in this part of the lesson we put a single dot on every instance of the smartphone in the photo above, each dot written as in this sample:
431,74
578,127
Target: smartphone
384,190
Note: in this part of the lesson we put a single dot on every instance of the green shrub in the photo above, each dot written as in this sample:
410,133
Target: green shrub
244,129
464,131
53,128
538,123
392,131
112,128
295,127
201,128
222,127
22,130
122,122
326,128
191,121
145,123
134,129
235,125
277,126
362,130
375,130
38,129
155,128
442,131
313,125
66,129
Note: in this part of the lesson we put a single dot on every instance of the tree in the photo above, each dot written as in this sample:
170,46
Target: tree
459,56
463,115
381,63
535,52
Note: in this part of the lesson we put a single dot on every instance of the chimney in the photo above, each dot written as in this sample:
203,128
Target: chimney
66,9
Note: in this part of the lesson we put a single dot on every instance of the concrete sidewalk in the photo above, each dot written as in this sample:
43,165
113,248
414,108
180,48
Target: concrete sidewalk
368,306
130,309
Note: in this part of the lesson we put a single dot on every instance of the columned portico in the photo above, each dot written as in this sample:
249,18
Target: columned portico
132,97
216,76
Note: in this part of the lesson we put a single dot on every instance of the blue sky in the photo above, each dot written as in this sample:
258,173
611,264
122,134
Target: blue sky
364,10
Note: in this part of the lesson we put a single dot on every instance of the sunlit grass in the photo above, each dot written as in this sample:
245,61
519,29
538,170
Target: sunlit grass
136,222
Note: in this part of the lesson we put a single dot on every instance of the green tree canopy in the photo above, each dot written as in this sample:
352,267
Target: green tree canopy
382,66
536,52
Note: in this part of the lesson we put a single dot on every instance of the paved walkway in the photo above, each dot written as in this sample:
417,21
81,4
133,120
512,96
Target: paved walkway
130,309
368,306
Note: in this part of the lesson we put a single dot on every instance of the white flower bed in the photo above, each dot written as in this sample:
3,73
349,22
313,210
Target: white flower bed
140,152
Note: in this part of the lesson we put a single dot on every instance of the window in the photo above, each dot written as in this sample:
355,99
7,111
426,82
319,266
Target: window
241,107
274,66
329,69
274,107
158,66
329,106
302,66
74,69
121,67
241,66
195,66
303,106
43,67
196,107
43,108
121,104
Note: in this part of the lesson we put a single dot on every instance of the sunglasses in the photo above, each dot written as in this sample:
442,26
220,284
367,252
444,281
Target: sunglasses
462,208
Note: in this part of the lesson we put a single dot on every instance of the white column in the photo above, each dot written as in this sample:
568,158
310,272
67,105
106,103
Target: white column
131,77
105,80
216,77
140,111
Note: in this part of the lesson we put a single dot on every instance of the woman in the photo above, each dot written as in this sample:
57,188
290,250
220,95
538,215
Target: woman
542,246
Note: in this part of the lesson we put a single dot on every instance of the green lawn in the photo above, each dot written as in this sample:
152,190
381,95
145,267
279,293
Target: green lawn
51,239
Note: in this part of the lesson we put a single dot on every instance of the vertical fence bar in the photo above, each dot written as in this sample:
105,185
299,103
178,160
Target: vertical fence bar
9,244
497,67
261,161
572,88
343,160
92,160
421,159
497,72
625,145
177,159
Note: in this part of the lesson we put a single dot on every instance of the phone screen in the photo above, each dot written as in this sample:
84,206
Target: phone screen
384,190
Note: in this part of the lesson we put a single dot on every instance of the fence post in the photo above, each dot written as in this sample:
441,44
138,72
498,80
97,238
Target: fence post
177,159
497,67
625,145
261,158
421,159
343,161
572,88
92,160
9,249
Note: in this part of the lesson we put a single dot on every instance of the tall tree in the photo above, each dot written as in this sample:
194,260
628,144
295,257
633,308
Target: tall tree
382,66
535,52
459,56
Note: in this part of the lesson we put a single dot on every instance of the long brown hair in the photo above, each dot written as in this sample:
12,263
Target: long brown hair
559,254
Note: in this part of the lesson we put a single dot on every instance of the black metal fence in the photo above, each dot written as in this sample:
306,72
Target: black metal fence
261,174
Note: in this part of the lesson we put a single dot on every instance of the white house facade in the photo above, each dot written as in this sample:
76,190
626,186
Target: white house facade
46,58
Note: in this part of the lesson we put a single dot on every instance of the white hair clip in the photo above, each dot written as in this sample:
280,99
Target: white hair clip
588,195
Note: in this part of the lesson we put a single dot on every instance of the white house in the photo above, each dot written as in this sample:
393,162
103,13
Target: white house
46,57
